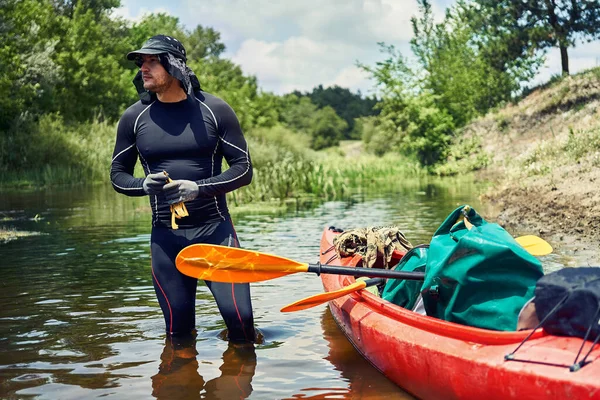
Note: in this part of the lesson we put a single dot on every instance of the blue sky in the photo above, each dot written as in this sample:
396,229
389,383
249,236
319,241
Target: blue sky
298,44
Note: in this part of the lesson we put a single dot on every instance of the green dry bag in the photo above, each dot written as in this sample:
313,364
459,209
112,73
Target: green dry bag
478,277
405,292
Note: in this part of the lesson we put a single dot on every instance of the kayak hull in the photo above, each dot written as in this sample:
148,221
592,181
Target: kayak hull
434,359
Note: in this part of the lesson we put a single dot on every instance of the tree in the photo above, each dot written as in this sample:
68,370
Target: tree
346,104
327,128
95,77
156,24
202,43
297,112
67,7
27,71
469,64
457,76
547,23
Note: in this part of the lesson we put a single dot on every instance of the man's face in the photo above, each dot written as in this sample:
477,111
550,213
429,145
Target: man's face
155,76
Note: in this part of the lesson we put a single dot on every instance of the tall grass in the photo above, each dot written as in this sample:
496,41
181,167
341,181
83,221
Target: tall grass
325,176
49,152
580,146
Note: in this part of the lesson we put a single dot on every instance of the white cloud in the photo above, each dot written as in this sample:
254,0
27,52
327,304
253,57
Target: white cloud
291,45
299,44
299,63
359,21
127,13
352,78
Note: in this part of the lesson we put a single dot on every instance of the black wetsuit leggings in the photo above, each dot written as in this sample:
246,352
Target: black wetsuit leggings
176,292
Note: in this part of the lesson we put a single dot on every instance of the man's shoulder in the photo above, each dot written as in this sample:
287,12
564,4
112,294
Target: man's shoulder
134,110
211,101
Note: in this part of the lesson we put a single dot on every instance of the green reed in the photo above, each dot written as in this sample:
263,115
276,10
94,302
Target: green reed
49,153
325,176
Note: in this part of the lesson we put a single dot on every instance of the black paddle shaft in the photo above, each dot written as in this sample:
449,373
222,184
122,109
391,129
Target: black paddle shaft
319,269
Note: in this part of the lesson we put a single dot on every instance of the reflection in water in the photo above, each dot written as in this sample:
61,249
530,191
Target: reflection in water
178,376
79,318
353,367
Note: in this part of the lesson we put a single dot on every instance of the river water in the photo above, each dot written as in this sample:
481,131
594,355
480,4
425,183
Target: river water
79,318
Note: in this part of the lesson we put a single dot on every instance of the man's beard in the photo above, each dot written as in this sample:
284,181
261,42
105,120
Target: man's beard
158,86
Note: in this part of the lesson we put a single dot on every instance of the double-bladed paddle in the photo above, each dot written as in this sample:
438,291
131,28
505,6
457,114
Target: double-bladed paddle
533,244
235,265
321,298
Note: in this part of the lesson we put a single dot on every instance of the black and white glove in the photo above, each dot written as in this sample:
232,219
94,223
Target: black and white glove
154,183
180,190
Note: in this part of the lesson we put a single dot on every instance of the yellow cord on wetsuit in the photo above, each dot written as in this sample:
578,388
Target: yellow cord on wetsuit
178,210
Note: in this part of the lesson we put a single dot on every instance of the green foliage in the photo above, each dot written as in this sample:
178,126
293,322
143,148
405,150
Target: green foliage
203,43
283,168
346,104
380,135
27,72
458,76
94,81
461,58
327,128
539,24
323,125
465,155
297,112
503,122
266,143
60,153
413,126
411,121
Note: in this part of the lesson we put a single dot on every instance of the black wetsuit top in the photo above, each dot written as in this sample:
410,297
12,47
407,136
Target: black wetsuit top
189,140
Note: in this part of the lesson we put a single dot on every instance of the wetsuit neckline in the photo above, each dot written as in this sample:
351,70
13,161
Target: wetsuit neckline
173,104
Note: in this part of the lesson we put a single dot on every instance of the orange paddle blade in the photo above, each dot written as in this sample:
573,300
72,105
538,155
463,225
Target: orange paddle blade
321,298
233,265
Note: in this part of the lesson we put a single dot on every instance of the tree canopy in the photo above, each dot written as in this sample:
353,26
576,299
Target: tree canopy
540,24
346,104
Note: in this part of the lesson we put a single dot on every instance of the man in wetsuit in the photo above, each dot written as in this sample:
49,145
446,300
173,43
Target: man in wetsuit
178,128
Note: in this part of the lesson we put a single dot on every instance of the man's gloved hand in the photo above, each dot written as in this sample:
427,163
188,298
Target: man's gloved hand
180,190
153,184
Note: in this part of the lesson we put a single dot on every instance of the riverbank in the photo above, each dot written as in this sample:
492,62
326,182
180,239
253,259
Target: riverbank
544,154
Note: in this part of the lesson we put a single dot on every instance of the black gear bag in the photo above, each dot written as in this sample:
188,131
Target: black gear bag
568,302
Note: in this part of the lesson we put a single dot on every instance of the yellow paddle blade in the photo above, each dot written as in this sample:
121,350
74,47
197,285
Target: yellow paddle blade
534,245
321,298
233,265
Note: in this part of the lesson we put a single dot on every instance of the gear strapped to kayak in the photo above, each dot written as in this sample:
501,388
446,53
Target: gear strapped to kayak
376,245
567,303
476,274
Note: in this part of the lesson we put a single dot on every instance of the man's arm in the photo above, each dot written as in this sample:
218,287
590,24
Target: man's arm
235,151
123,161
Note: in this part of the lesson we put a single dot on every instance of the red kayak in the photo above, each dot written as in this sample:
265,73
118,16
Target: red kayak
435,359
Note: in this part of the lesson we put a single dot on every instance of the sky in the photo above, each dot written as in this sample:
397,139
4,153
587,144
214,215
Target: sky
299,44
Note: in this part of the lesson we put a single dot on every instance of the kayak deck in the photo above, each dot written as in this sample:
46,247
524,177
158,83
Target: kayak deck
432,358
